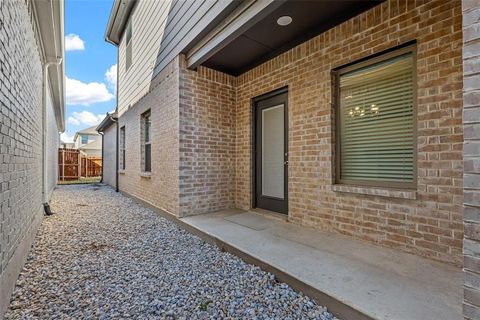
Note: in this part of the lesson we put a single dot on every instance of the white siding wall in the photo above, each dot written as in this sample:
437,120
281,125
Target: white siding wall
161,30
91,137
148,24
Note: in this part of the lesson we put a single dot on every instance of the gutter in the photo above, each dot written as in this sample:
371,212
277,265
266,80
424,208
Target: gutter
45,200
103,148
48,17
117,189
119,15
121,19
117,158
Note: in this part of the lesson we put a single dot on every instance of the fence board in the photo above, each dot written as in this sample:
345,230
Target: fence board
91,167
72,165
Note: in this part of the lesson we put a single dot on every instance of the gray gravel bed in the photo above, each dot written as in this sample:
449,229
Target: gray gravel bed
103,256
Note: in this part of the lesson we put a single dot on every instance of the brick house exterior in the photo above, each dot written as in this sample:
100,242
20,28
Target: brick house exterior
471,155
429,225
108,129
202,126
31,117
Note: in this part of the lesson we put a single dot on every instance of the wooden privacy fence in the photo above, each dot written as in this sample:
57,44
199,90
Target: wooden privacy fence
72,165
68,164
91,167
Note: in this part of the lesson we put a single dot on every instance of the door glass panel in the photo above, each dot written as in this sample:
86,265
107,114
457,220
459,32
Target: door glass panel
273,152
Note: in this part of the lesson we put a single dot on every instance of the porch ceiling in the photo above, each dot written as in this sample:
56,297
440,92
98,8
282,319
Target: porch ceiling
266,39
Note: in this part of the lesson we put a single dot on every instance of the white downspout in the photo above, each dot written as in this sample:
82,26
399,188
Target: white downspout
45,199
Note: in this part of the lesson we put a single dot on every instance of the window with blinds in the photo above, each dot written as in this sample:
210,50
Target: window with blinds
122,148
376,122
146,131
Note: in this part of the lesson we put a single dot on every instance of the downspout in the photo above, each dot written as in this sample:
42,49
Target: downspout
103,150
117,157
45,88
117,124
103,147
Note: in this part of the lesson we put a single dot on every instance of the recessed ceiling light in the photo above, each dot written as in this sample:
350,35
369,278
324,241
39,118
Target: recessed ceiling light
284,21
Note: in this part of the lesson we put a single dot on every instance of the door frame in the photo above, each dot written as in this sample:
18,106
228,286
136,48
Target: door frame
253,156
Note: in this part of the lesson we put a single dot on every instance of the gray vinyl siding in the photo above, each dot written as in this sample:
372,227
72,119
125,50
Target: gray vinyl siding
148,24
160,31
191,18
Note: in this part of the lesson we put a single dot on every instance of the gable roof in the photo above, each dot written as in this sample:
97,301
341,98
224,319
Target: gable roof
94,145
90,130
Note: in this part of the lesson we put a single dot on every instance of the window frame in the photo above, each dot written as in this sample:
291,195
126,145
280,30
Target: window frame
82,137
122,148
336,74
143,156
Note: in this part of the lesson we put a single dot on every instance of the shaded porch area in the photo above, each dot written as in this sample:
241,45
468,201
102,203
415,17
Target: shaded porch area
352,278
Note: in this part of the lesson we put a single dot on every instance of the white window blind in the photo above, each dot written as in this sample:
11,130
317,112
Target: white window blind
273,152
122,148
376,123
146,128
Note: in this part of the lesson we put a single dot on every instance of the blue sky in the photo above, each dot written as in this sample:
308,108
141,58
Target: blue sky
90,64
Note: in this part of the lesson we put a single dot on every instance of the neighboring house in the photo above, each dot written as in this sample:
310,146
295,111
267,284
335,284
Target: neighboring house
108,129
344,115
32,111
67,145
89,141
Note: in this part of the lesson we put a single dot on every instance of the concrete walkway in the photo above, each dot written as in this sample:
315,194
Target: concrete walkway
381,283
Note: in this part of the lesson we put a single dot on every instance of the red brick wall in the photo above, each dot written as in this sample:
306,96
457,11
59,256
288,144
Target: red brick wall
431,225
207,140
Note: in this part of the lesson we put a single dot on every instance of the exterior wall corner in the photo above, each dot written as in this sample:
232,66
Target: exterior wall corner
471,156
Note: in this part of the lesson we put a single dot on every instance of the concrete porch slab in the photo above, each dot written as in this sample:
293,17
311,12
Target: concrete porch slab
380,283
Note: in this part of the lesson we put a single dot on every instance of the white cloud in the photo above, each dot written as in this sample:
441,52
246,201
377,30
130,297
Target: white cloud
74,43
66,138
111,77
86,118
73,121
86,93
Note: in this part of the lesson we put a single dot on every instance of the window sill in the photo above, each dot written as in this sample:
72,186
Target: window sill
377,191
146,175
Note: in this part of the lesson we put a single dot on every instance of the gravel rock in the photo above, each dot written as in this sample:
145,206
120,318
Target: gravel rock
103,256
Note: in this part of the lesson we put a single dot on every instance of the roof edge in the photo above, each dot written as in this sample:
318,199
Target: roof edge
119,15
49,20
107,122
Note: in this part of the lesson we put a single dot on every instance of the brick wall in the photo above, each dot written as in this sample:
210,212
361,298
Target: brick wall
193,120
431,225
195,133
471,182
109,155
207,140
20,142
161,187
